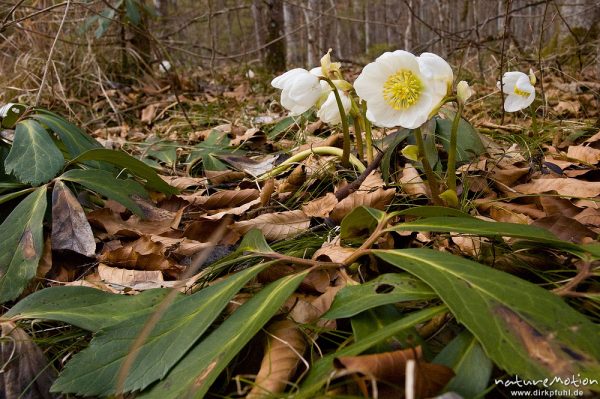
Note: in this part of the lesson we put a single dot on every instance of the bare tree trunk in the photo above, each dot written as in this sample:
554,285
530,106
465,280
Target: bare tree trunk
290,44
311,32
258,22
408,33
336,30
275,51
367,26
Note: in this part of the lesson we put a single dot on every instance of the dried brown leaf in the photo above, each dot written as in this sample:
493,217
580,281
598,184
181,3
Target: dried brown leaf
134,226
377,199
583,153
229,198
70,228
320,207
267,191
25,372
276,226
333,251
411,181
284,349
130,278
565,228
568,187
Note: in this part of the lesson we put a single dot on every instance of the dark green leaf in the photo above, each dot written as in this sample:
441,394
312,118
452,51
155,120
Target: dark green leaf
16,194
126,161
397,137
432,211
385,289
133,13
472,368
321,369
33,158
470,225
523,328
468,143
360,222
104,183
84,307
194,374
22,242
10,113
94,371
76,140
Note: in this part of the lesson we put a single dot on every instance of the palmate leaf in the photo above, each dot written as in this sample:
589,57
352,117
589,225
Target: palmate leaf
195,373
523,328
76,140
33,158
104,183
321,369
21,244
133,165
85,307
94,371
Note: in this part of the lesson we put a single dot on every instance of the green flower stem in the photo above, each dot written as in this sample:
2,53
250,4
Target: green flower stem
451,172
534,124
431,179
358,127
302,155
344,118
368,134
358,134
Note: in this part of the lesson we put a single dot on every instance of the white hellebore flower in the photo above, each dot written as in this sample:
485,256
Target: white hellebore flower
403,90
300,90
329,111
521,92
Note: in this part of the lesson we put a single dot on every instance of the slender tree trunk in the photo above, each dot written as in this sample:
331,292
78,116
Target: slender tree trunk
275,52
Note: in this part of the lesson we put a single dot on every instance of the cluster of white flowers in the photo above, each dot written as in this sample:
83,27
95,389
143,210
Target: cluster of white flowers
399,88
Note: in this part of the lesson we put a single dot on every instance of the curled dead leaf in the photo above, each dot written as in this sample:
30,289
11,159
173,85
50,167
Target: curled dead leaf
284,349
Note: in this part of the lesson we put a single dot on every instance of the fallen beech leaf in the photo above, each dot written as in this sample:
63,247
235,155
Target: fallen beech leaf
554,205
276,226
316,280
149,113
412,184
184,182
180,246
129,278
586,154
333,251
223,176
386,366
134,226
294,181
370,193
589,217
508,176
267,191
229,198
565,228
567,107
142,254
254,135
25,372
320,207
310,311
568,187
45,264
238,210
70,228
284,349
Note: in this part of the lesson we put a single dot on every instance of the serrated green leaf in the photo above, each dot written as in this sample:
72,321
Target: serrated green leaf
385,289
470,225
104,183
85,307
133,165
472,368
523,328
321,369
33,158
75,139
22,242
194,374
468,143
94,371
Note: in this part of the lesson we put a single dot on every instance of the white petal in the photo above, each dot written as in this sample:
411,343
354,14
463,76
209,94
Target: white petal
329,112
317,71
305,89
283,80
399,60
369,84
381,114
509,80
514,103
524,84
418,114
435,67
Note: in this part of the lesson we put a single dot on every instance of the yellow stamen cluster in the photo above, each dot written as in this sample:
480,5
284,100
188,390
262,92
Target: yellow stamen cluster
402,90
520,92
